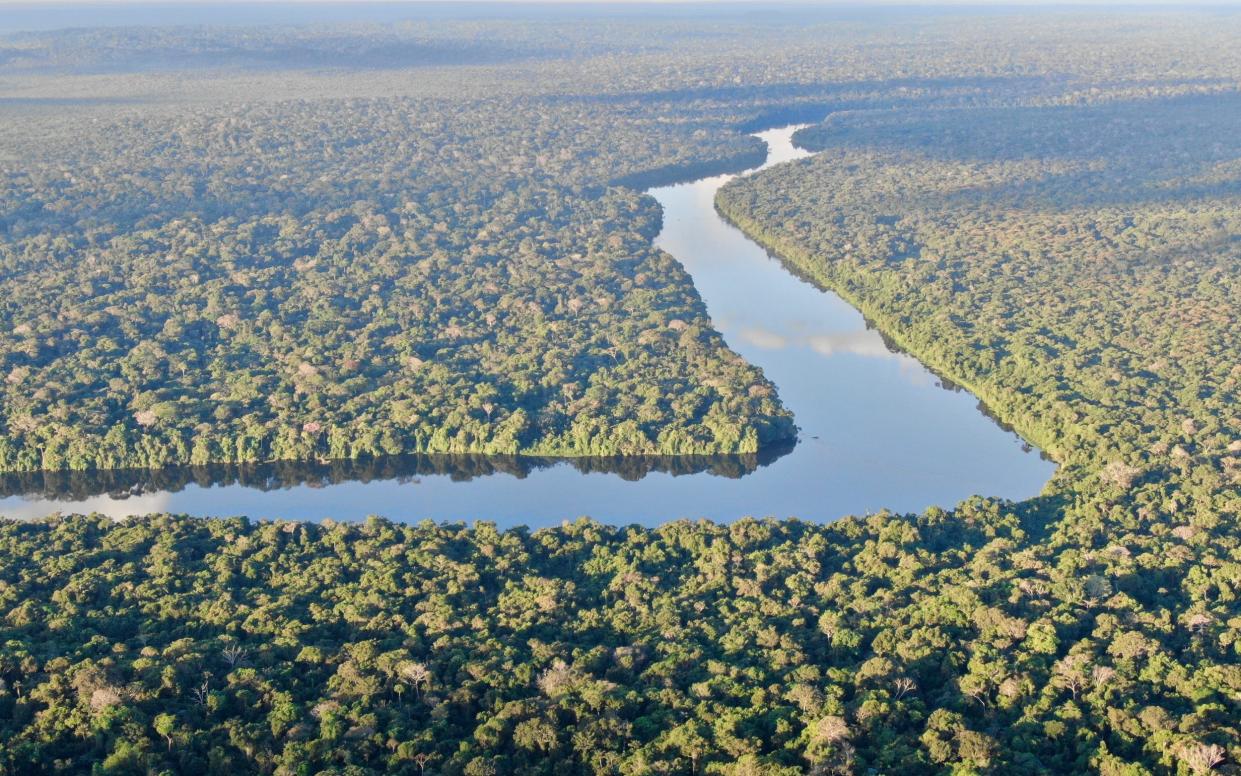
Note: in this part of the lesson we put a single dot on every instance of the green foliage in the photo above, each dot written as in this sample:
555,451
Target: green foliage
358,278
1077,268
445,261
308,262
171,643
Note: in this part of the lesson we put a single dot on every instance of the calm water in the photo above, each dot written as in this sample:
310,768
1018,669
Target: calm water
877,429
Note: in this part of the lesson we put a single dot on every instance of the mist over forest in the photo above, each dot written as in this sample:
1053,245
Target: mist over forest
320,252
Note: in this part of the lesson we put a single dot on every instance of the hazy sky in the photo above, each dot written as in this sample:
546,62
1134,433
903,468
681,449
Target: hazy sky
1165,3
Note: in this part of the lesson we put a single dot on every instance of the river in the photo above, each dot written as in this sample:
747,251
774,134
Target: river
877,429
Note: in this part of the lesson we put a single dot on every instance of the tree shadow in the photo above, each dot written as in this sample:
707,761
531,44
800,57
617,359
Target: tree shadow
1130,153
280,475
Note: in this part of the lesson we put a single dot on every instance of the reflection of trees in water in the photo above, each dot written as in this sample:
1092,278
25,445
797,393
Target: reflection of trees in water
70,485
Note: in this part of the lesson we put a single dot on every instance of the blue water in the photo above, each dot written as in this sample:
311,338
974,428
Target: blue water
877,429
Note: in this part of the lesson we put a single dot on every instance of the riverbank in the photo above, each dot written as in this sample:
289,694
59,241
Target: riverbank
803,264
877,431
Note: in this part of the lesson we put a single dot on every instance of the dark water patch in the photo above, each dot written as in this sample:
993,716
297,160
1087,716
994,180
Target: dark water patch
279,475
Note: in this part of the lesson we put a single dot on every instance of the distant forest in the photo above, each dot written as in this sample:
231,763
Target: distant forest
356,244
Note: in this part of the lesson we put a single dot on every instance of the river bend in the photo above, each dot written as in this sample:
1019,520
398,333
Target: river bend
877,429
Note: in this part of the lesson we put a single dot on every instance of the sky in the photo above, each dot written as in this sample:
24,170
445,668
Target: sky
1084,3
34,15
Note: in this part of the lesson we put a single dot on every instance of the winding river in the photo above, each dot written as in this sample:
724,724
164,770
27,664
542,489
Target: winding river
877,429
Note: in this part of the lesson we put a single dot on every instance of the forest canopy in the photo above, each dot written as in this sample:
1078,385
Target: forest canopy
251,262
215,251
1076,266
346,278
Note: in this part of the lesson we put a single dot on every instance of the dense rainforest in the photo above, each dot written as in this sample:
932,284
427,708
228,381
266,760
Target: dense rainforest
222,246
985,640
1077,267
339,279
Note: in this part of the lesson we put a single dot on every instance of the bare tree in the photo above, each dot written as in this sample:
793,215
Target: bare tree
421,759
976,687
832,729
200,694
417,674
1198,622
1202,758
233,654
903,685
1071,673
1101,675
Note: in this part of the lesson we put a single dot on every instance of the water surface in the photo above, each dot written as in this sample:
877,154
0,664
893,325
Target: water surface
877,429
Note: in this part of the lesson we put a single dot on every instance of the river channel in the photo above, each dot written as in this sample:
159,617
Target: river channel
877,429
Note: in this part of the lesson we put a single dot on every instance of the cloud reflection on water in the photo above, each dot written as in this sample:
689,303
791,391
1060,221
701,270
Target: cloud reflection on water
867,343
874,437
105,504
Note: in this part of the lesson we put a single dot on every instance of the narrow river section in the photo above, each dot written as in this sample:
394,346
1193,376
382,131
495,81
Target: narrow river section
877,429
